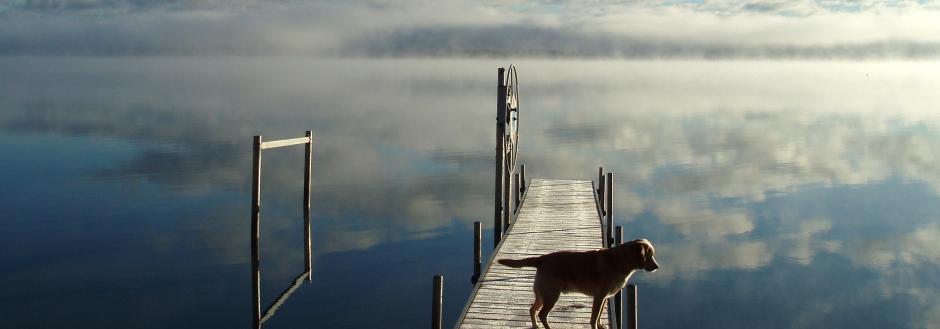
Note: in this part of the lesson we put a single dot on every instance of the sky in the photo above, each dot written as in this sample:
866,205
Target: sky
720,29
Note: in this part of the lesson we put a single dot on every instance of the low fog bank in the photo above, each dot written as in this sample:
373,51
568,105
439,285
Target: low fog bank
376,29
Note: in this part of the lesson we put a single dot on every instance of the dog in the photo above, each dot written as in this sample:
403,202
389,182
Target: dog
597,273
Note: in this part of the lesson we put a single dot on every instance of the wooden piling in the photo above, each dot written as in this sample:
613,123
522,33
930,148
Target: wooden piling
517,190
609,213
507,206
500,156
523,184
601,191
308,172
437,302
618,298
632,321
477,251
255,231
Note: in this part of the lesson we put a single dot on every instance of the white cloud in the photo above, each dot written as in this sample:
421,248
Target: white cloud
917,247
691,259
702,222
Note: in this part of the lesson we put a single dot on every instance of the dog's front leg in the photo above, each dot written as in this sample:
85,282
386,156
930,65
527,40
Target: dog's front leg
596,312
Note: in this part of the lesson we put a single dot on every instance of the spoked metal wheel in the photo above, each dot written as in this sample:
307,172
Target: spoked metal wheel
512,118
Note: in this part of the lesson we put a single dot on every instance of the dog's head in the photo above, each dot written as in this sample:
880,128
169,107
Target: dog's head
644,253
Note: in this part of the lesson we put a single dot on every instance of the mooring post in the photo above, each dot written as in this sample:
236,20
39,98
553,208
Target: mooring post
500,156
255,231
507,206
523,185
601,189
631,307
308,171
618,299
437,302
609,204
477,251
517,190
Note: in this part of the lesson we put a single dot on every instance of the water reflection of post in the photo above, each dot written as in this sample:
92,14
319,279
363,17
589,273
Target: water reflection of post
255,232
258,317
308,153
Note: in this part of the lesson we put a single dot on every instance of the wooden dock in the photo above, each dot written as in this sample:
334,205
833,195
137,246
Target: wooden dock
555,215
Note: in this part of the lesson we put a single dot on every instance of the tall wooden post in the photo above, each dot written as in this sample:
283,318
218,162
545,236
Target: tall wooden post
477,251
601,190
632,320
517,191
308,171
507,216
609,185
524,186
255,232
437,302
500,157
618,298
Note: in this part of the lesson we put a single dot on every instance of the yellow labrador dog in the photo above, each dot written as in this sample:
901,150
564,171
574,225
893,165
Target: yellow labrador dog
597,273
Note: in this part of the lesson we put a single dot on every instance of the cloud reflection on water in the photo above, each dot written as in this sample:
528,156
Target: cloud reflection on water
731,167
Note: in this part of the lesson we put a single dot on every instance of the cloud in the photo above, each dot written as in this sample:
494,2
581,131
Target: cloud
692,259
710,29
917,247
702,222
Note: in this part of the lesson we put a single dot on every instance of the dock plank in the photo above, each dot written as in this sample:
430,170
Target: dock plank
556,215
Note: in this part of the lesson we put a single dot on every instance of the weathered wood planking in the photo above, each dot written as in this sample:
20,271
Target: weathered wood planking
556,215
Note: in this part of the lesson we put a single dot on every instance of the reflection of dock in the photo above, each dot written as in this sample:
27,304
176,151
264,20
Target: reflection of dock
555,215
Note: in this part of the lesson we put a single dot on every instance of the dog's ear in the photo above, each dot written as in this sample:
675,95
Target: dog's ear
636,249
643,249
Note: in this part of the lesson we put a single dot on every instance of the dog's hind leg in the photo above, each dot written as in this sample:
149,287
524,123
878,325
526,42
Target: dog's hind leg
549,298
596,312
536,306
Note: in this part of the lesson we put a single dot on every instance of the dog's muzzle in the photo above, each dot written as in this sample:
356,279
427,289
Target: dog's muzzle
652,267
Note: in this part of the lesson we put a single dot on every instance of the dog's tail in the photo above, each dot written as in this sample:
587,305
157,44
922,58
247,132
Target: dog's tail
525,262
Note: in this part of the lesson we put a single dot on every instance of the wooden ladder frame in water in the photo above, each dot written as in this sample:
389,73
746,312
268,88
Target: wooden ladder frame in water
259,145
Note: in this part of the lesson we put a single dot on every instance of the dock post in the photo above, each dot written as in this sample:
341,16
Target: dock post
437,302
631,307
477,251
308,153
507,206
255,232
517,190
523,185
609,213
618,298
500,157
601,190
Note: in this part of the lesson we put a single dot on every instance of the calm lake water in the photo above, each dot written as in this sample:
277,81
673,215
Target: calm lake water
779,194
